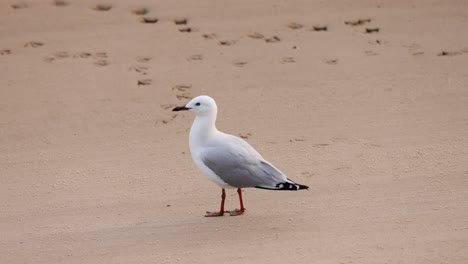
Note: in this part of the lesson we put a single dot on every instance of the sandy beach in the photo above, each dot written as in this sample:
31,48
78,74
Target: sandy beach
366,102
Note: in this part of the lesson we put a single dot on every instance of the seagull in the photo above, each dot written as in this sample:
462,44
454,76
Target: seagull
228,160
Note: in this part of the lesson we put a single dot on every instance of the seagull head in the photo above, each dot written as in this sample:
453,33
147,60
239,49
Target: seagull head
201,105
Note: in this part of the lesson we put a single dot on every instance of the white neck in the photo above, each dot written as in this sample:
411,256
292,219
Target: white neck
202,126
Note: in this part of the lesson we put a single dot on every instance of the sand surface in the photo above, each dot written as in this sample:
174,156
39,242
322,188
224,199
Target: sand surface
95,168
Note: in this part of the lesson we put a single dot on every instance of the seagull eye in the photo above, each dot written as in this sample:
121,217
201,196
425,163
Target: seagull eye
197,104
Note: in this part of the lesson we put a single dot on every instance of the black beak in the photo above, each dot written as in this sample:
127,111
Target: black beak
180,108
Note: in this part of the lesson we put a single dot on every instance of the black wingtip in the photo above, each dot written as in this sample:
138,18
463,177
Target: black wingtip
300,186
286,186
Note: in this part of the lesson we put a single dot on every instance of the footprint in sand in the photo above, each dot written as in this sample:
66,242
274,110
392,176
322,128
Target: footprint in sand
372,30
140,11
167,107
412,46
139,69
321,145
377,42
245,135
414,49
102,7
181,21
227,42
256,35
371,53
295,25
320,28
100,55
358,22
301,139
101,63
453,53
144,82
57,56
100,59
210,36
19,6
307,174
182,91
450,53
195,57
62,54
240,63
5,52
343,167
288,60
143,70
149,20
166,121
60,3
273,39
143,59
34,44
185,30
82,55
184,97
331,61
49,59
181,88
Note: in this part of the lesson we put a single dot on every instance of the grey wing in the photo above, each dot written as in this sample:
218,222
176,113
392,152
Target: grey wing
242,167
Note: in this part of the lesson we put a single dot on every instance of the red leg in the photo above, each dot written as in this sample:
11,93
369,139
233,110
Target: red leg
221,211
242,208
239,192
